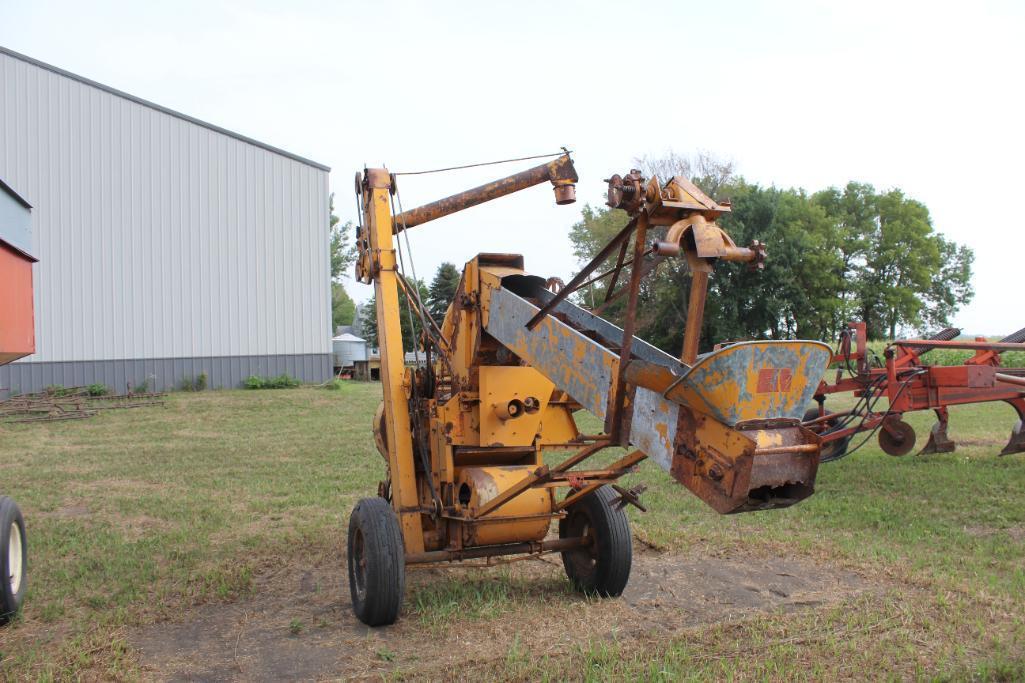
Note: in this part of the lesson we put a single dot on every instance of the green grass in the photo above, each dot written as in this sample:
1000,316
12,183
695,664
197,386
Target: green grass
136,515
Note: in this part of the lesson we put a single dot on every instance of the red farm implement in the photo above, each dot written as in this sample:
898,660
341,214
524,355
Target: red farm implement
908,383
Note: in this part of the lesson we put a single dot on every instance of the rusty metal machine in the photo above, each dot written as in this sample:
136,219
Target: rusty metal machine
908,383
467,435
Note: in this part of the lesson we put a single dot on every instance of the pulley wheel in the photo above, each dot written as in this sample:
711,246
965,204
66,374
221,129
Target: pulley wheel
896,438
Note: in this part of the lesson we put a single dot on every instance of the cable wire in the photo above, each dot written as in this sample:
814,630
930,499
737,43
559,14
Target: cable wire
485,163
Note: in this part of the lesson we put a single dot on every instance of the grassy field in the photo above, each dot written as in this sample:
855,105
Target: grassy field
137,516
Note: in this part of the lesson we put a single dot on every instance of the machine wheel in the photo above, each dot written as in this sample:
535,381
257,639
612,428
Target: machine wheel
899,443
377,562
603,567
12,559
831,450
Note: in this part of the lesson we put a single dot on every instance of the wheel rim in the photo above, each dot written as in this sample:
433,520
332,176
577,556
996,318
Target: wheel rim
585,560
359,565
14,558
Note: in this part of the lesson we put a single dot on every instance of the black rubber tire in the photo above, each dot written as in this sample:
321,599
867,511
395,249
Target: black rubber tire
377,562
11,599
831,450
603,567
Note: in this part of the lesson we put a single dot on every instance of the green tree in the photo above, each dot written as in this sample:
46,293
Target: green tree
952,287
854,212
442,290
343,255
904,259
343,308
834,256
410,329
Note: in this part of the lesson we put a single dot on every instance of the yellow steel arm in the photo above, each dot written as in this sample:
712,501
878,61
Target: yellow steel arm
378,227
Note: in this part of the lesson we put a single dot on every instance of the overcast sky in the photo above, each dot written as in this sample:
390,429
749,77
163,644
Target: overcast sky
924,96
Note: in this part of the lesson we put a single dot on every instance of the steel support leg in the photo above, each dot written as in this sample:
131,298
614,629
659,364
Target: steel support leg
939,442
1016,444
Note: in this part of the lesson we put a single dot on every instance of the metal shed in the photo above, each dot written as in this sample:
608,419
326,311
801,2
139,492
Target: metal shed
17,328
168,246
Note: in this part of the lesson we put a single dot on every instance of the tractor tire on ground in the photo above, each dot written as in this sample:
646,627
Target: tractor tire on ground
12,559
377,562
831,450
901,443
603,567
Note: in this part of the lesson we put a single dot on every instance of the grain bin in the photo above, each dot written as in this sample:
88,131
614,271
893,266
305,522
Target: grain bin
346,349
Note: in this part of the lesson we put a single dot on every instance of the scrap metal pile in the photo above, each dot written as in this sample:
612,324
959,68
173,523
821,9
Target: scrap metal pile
74,403
908,383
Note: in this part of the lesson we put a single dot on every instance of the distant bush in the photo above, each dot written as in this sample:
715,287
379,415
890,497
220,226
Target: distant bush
57,390
335,384
142,387
197,383
279,382
97,390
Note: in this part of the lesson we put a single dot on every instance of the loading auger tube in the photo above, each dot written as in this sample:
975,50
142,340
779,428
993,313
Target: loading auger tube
465,435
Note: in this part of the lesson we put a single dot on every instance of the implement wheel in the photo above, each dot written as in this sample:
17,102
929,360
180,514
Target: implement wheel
896,437
377,562
12,559
833,449
603,567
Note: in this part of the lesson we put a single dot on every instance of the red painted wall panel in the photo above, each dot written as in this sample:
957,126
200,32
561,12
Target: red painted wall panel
17,326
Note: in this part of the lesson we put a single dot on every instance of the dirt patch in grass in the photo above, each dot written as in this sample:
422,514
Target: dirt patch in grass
114,486
69,511
136,527
300,624
1017,533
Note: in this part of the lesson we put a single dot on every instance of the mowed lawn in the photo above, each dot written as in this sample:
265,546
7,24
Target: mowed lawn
135,516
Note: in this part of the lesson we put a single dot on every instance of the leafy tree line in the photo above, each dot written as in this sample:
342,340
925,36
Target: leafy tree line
837,255
343,255
436,297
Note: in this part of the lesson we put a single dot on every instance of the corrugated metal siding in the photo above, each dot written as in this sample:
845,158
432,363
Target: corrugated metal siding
157,237
160,374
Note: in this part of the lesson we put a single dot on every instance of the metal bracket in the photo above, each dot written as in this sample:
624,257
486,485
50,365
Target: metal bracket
629,496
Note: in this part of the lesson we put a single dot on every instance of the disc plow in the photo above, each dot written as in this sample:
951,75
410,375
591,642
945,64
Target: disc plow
903,382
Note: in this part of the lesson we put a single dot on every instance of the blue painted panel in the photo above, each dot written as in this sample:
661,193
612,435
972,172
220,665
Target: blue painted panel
15,223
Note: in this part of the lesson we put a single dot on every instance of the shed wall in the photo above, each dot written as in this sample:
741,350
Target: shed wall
160,239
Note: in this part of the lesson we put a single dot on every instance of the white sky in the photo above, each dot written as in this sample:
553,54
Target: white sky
925,96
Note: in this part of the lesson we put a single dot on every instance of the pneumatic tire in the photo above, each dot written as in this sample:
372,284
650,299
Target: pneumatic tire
377,562
13,550
601,568
831,450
